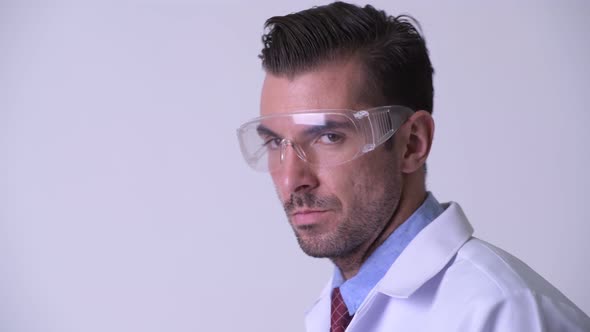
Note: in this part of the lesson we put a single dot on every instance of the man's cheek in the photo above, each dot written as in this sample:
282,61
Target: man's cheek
280,196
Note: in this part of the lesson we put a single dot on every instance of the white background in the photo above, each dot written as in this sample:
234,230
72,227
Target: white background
124,202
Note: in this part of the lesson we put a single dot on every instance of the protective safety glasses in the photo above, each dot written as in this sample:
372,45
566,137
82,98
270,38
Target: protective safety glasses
322,138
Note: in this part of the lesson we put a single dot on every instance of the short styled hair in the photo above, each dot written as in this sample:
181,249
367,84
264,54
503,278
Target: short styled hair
390,48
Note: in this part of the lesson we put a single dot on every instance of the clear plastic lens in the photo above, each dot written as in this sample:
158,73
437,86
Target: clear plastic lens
319,138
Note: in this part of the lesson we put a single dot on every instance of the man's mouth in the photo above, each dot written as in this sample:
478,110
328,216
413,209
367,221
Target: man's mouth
307,217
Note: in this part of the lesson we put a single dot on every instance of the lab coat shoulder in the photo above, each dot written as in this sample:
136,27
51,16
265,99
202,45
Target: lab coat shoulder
487,289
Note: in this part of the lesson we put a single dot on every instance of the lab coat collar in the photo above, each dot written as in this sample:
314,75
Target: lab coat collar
427,254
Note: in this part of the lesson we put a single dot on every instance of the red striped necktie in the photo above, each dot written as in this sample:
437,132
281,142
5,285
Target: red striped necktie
339,317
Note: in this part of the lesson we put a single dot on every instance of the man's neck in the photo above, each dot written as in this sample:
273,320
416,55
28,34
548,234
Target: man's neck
350,265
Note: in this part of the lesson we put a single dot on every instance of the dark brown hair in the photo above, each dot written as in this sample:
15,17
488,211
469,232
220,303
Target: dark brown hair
391,49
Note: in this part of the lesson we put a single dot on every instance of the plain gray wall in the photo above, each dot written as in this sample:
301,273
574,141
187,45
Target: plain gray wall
125,204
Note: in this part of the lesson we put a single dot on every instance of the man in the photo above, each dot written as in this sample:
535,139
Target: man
345,131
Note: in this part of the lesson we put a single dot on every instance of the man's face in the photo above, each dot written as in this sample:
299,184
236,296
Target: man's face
337,210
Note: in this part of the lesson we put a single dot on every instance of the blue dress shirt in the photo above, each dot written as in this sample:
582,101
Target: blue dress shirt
355,290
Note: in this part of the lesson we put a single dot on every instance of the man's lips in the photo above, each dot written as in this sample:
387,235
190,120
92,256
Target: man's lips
307,217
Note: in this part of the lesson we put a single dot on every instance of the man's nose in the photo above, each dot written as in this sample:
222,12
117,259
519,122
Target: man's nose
294,174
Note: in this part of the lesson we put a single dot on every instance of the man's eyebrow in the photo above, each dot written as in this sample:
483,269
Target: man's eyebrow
329,125
311,130
264,131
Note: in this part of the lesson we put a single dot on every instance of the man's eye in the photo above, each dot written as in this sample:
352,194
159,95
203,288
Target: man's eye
273,143
330,138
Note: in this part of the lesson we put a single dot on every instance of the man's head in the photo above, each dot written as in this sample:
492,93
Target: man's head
342,57
392,53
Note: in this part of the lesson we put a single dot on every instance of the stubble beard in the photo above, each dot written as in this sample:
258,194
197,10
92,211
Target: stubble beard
362,222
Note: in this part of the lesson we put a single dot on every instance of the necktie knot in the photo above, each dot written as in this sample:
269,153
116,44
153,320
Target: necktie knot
339,317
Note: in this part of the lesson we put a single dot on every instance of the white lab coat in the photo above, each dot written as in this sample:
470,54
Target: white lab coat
447,280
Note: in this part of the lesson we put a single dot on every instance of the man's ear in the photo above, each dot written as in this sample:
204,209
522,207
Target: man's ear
419,132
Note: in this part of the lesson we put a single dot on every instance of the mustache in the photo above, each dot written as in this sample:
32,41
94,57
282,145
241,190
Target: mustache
310,201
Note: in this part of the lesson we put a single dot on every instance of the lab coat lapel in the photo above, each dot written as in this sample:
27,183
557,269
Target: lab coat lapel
317,318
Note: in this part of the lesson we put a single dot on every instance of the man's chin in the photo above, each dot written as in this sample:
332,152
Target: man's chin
314,251
317,245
